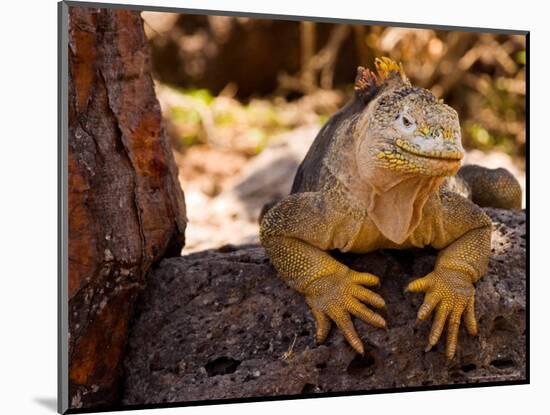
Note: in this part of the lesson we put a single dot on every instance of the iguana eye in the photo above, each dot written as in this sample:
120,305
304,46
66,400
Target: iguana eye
406,122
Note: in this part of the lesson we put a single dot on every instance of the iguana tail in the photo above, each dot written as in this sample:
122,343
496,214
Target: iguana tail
496,188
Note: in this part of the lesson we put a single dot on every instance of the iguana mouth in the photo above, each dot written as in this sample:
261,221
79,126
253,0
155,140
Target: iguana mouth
446,154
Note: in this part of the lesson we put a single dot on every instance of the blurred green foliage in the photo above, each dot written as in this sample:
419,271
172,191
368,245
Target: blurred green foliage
195,116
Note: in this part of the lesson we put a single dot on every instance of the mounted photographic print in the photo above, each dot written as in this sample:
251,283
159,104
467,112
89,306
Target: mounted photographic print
258,207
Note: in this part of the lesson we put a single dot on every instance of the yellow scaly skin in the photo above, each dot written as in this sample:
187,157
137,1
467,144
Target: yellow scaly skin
374,155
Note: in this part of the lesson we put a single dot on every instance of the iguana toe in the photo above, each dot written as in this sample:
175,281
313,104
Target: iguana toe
337,297
323,324
450,295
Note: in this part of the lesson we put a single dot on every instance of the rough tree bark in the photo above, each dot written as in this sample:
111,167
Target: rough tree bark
126,208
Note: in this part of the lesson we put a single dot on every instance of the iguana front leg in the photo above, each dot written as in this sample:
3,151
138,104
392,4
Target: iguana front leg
296,233
450,287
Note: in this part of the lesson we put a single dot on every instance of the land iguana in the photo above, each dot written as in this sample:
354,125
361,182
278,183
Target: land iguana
378,176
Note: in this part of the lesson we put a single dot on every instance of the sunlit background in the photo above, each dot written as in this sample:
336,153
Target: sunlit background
243,99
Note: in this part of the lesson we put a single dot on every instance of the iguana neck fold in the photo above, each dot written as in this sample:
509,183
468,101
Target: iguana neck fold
392,200
395,203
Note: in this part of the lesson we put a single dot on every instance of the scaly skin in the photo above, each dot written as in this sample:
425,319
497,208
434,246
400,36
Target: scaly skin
493,187
372,180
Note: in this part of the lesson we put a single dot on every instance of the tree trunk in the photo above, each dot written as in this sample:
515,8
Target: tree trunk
126,208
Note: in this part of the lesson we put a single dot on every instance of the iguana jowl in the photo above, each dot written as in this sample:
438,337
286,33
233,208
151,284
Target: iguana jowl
374,178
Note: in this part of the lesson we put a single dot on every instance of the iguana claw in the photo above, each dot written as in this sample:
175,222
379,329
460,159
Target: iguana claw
451,295
337,297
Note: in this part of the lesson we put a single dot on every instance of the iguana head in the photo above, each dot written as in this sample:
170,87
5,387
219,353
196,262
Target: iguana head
404,142
404,129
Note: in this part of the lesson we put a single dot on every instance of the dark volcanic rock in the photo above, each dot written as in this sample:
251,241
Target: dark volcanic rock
221,324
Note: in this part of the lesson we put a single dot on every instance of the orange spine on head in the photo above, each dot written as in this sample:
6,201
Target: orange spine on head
366,83
387,69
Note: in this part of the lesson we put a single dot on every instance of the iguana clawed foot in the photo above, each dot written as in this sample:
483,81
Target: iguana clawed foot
451,294
336,297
